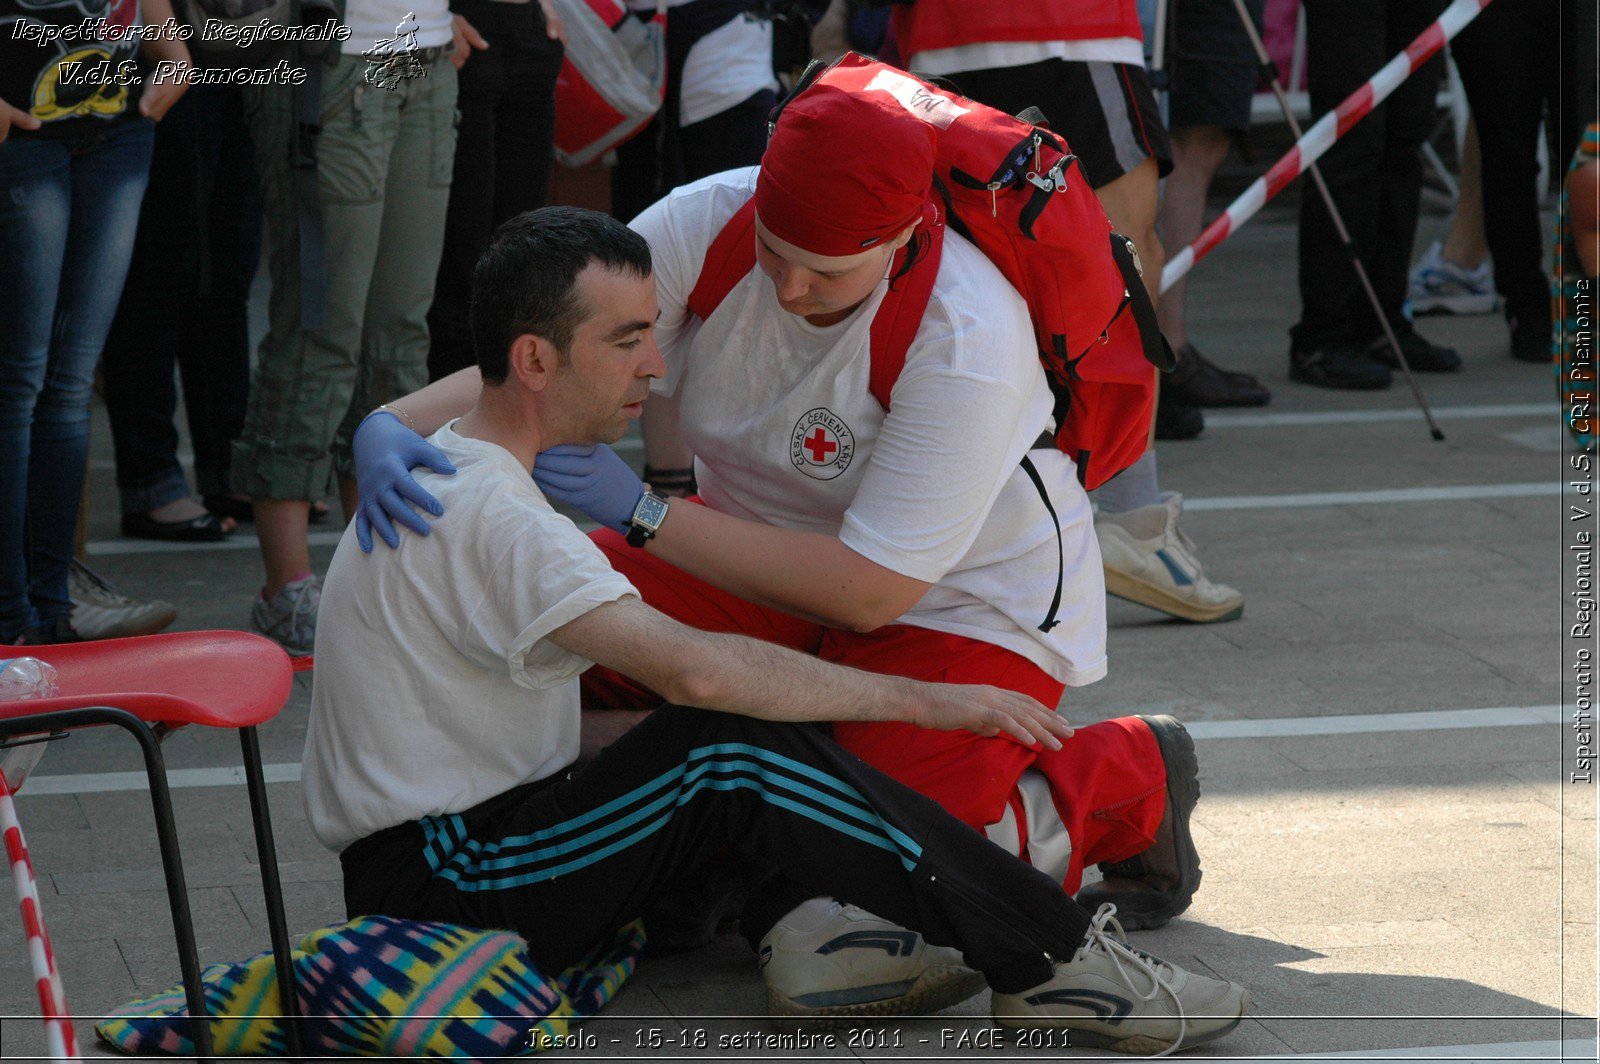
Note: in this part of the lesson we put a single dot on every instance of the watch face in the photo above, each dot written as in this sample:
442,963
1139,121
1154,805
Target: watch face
651,511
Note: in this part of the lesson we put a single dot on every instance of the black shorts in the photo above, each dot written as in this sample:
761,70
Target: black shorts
1106,111
1214,69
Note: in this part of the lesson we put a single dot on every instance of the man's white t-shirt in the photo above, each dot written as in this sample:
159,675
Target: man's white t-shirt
436,687
785,431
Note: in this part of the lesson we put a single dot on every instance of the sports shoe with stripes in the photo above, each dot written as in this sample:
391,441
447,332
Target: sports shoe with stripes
1113,996
99,611
827,960
1439,286
1149,560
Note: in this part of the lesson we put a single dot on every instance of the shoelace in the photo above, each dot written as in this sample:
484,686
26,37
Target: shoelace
305,602
1117,948
96,582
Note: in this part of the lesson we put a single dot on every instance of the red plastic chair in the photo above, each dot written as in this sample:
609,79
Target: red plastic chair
216,679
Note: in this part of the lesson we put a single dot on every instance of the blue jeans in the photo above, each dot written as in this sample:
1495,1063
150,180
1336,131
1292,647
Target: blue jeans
69,205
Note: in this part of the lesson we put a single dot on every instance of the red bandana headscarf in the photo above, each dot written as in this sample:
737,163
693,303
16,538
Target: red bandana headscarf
843,172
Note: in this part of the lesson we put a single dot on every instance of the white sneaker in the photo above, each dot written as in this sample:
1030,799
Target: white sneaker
1149,560
1112,996
1439,286
290,617
100,612
827,959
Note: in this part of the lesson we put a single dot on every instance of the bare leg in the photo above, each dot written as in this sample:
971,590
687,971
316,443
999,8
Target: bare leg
663,439
1197,151
283,526
1467,245
1130,203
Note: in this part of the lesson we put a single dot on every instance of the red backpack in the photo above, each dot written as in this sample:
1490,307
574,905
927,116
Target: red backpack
1015,190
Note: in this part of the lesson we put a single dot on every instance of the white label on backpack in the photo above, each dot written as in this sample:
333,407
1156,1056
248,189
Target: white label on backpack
916,97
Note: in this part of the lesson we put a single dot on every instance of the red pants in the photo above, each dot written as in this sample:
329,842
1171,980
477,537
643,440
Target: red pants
1107,782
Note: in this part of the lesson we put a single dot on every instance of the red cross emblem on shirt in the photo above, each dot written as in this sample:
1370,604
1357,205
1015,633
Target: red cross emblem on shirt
821,444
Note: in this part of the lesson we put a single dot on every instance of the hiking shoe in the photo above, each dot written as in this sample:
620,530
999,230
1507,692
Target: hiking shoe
1152,887
1439,286
830,960
1338,365
1112,996
1422,355
1198,381
1176,419
1148,559
100,612
289,618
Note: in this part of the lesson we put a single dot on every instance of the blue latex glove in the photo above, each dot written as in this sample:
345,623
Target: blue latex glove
592,478
385,453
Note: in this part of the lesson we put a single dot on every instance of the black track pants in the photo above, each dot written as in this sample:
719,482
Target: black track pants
567,861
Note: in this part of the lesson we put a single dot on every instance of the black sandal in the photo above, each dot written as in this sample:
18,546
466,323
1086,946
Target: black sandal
207,528
242,510
224,506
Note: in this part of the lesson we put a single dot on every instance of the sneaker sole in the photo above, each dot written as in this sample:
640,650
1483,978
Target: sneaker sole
1139,1044
937,988
1132,589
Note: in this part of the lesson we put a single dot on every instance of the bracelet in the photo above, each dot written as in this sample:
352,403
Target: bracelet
404,417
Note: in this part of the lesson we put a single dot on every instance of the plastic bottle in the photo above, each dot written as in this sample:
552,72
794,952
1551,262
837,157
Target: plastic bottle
23,678
26,678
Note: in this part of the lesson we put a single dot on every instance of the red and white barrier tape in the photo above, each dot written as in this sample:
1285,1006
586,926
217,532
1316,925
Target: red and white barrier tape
60,1041
1320,137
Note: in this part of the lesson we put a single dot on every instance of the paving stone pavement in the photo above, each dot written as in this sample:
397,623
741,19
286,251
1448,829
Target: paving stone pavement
1379,889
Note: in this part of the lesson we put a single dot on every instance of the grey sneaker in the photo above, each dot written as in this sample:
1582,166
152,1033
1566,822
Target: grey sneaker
825,959
289,618
1112,996
100,612
1149,560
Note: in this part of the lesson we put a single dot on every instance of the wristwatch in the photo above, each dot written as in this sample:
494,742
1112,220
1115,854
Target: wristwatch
648,513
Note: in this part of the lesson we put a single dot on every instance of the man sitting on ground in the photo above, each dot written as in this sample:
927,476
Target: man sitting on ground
445,714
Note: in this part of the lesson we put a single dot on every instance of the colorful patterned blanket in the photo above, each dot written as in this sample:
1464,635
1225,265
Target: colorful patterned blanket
378,986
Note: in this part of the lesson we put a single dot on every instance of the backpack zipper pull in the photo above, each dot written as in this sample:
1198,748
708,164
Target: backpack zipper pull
994,206
1133,252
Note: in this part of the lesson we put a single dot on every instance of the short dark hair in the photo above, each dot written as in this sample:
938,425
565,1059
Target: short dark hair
526,279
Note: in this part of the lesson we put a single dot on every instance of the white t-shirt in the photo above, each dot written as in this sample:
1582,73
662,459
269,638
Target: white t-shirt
988,55
388,24
436,688
785,431
724,68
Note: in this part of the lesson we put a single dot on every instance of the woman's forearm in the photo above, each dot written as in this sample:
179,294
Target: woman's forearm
446,398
